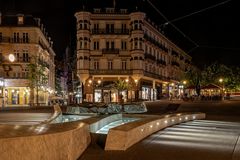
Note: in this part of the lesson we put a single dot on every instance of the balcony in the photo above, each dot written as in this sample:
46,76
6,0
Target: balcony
174,53
110,72
161,62
13,40
111,31
110,51
175,64
149,56
155,42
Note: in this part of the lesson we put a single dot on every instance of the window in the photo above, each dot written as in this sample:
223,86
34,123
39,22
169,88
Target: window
140,45
124,65
81,44
85,26
124,45
25,56
96,45
20,20
17,55
107,45
97,10
123,11
110,28
96,26
96,65
110,45
124,27
25,37
110,65
16,37
135,44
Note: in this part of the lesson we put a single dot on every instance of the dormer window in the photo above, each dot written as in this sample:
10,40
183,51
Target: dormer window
97,10
123,11
20,19
109,10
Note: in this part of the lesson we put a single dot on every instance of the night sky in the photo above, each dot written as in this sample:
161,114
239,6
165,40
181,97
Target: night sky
215,31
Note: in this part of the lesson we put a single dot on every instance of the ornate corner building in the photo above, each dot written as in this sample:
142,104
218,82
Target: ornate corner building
114,44
24,39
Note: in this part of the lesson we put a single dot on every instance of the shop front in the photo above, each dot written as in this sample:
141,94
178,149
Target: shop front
16,96
147,91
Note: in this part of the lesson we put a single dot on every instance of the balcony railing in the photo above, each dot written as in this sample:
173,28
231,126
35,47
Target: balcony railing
111,72
110,51
149,56
161,62
13,40
175,64
155,42
111,31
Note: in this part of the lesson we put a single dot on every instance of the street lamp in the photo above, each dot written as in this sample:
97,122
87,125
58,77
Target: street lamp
136,94
221,82
11,58
184,82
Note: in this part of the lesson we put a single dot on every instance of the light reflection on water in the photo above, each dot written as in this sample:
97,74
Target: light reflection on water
105,129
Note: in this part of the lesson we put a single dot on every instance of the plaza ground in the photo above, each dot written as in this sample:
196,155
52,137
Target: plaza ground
215,138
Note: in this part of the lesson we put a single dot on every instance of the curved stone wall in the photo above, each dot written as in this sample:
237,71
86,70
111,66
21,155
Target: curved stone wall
124,136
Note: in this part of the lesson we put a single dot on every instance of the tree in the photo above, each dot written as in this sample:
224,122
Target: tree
215,71
37,77
194,78
121,85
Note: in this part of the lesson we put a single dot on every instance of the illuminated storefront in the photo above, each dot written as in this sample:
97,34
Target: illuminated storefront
16,95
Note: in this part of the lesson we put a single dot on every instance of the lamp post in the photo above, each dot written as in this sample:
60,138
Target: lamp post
11,58
184,84
127,88
222,85
136,94
90,82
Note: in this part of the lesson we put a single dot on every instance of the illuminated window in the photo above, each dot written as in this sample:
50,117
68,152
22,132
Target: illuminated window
96,65
124,65
110,65
96,45
20,20
124,45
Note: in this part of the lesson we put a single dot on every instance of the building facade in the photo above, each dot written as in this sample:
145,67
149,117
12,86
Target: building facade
116,45
26,61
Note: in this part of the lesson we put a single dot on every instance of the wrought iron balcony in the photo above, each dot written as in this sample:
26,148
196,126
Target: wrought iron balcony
149,56
110,72
13,40
155,42
175,64
111,31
